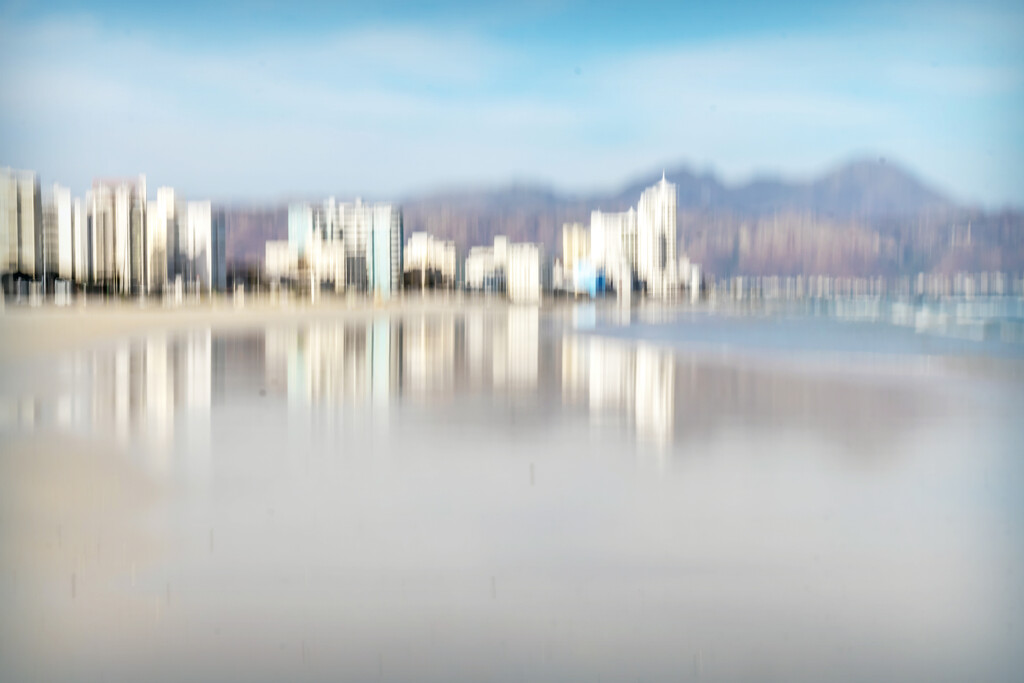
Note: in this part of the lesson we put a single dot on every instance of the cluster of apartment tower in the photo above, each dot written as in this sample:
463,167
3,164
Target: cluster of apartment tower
361,247
633,250
624,252
175,379
116,240
350,246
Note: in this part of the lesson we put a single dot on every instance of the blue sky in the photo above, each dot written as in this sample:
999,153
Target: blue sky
265,100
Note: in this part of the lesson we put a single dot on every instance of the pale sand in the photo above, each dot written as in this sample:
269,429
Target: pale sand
35,332
28,332
437,550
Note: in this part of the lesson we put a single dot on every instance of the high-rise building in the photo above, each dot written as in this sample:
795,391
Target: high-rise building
525,271
578,274
326,261
115,239
21,223
357,246
486,266
137,238
80,259
656,239
300,227
218,254
162,240
100,225
501,255
203,247
117,220
353,226
65,266
9,221
386,257
575,245
50,246
637,245
197,243
613,245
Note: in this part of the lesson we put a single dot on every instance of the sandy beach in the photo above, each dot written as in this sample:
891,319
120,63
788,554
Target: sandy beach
26,331
463,490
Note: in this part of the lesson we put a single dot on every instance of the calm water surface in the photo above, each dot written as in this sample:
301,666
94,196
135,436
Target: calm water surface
513,495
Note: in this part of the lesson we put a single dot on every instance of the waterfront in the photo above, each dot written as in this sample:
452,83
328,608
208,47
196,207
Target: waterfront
507,493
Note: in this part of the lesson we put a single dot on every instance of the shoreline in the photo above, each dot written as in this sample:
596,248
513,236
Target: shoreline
30,331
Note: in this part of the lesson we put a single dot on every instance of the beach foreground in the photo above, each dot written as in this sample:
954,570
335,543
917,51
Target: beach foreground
442,492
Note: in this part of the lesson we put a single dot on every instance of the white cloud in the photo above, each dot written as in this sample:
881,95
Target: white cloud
967,80
389,110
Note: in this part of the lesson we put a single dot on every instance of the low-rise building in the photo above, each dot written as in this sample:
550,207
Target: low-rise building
485,266
525,272
429,263
281,261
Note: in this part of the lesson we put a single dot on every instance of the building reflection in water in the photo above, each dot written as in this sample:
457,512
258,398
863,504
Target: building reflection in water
504,511
144,394
427,357
372,363
626,381
335,363
502,351
158,392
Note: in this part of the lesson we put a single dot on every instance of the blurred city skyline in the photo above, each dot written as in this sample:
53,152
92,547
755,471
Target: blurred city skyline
283,100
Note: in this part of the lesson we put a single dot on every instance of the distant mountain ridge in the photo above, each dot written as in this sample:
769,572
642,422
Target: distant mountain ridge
868,216
863,188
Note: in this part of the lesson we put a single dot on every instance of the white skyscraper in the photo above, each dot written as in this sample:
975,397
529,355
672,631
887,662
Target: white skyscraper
300,227
100,216
575,245
357,246
21,223
122,236
65,232
9,227
656,239
385,256
117,220
218,252
354,226
50,247
613,245
162,232
524,272
198,248
81,262
486,267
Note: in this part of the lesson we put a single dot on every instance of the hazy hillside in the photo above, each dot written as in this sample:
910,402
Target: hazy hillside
865,188
867,217
249,228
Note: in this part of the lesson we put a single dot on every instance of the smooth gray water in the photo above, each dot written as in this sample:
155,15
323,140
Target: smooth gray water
511,496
